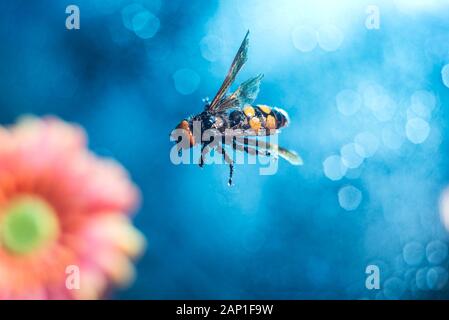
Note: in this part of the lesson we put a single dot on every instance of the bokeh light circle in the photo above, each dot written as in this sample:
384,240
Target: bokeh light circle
444,208
366,144
445,75
385,108
349,198
417,130
350,157
128,14
304,38
394,288
413,253
436,278
330,37
348,102
145,24
186,81
436,252
211,48
423,103
333,168
421,279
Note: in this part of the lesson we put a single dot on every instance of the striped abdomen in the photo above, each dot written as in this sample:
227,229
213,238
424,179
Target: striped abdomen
261,117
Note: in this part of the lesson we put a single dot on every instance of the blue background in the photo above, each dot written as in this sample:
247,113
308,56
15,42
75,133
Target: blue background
282,236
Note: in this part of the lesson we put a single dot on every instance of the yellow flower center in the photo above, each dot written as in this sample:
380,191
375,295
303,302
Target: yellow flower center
27,224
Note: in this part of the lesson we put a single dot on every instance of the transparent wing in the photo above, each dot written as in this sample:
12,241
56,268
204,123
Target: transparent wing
246,93
238,62
276,150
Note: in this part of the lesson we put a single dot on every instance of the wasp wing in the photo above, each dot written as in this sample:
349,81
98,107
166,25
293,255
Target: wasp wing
275,150
238,62
246,93
289,155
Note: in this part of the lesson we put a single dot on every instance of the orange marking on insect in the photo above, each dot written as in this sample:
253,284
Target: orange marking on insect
184,125
264,108
249,111
270,122
255,123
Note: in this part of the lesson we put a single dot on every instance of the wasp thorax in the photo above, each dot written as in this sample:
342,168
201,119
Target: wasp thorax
209,122
236,117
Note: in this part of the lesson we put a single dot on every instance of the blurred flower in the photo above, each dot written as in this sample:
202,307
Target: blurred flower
61,206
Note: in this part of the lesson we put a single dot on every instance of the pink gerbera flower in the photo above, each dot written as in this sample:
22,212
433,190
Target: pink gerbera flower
64,226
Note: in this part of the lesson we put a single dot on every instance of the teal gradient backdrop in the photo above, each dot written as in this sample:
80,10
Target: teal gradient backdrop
368,112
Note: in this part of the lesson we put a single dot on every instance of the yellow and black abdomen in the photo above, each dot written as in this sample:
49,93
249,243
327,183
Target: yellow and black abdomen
275,118
265,117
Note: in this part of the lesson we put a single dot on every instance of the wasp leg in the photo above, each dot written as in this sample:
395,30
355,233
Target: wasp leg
205,148
229,161
179,150
248,148
269,148
277,151
256,143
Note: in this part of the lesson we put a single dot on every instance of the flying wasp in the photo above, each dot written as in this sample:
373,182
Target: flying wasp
233,119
